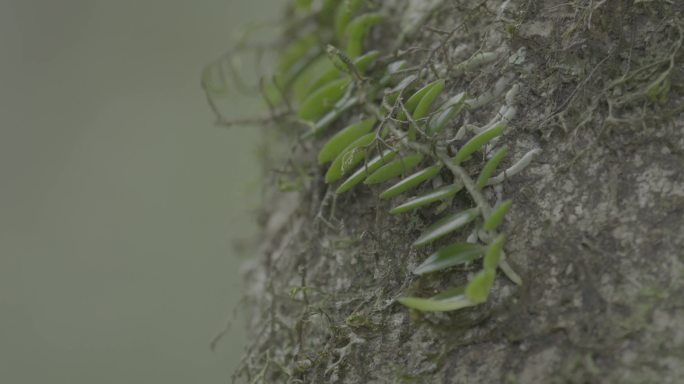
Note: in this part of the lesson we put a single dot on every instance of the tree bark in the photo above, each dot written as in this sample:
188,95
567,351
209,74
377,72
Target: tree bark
595,231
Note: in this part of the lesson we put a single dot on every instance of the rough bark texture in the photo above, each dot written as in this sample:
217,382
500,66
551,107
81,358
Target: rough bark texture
596,228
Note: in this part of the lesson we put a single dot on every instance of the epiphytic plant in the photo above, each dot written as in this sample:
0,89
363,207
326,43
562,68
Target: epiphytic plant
401,130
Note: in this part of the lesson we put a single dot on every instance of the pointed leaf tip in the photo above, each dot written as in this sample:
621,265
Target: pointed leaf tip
493,255
497,216
477,291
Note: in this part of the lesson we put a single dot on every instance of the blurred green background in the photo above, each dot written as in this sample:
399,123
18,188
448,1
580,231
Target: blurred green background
119,199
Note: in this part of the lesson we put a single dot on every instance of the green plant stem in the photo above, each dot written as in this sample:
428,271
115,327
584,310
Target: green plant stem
485,210
469,184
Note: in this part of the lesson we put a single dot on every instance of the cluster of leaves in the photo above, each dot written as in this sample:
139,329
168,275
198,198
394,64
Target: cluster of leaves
325,74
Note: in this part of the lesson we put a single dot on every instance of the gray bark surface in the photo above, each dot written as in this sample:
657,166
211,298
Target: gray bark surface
596,227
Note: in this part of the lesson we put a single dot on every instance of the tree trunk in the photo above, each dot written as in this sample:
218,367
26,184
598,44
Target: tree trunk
595,230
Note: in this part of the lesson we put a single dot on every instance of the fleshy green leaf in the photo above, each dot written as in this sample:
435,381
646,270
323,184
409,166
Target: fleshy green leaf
343,138
424,106
452,255
356,31
449,300
365,61
331,73
394,169
426,102
342,106
323,100
327,13
493,255
362,63
478,288
478,142
490,167
298,72
407,83
428,198
301,84
344,13
416,98
411,181
496,217
304,4
295,52
349,158
446,112
392,69
431,305
363,171
446,226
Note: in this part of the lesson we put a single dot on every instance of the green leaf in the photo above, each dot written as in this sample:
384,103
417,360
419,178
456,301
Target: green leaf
350,157
411,181
394,169
478,142
452,255
418,96
344,13
343,138
426,102
323,100
327,13
496,217
428,198
342,106
363,171
301,84
324,78
446,226
406,84
356,31
362,63
447,301
331,73
295,52
299,70
493,255
304,4
478,288
424,106
446,112
490,167
392,69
